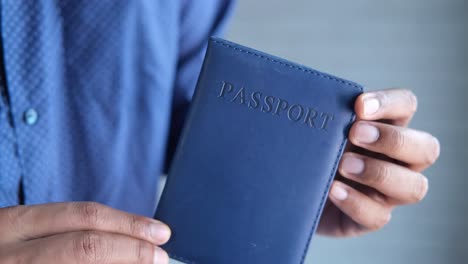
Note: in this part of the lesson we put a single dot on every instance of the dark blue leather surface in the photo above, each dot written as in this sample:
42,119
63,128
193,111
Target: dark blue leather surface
248,182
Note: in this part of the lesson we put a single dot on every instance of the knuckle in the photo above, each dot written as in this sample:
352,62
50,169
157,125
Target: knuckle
141,252
10,215
397,141
382,174
13,218
358,209
137,226
89,213
90,247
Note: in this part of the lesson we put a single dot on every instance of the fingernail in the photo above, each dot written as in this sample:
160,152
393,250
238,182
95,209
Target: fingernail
367,134
339,192
371,105
160,256
160,232
352,165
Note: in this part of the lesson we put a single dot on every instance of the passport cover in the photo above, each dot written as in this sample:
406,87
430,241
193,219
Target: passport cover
258,152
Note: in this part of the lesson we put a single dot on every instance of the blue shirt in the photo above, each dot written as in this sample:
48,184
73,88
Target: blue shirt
94,93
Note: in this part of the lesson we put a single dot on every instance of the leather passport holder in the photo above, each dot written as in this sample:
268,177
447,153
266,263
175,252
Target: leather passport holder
256,158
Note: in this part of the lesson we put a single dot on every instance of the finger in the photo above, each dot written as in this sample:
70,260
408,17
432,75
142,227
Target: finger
88,247
29,222
396,105
416,148
365,211
395,181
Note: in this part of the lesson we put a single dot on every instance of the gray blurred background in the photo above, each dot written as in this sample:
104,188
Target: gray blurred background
419,44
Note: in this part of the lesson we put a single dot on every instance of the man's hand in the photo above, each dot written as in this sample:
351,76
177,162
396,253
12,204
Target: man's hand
79,233
382,166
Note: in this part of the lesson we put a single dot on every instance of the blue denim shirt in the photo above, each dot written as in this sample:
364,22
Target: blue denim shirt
94,93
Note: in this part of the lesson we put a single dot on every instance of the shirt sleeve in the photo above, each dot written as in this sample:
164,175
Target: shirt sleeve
198,21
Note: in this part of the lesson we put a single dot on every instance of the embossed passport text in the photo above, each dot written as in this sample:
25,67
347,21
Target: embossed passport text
258,152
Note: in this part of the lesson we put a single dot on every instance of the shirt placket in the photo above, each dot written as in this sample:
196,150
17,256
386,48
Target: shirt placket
10,173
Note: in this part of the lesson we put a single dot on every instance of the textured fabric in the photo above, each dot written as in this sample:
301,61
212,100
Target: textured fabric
87,95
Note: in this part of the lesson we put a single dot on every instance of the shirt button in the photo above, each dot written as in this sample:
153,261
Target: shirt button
30,116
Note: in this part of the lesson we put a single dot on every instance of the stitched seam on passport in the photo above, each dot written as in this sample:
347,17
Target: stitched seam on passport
330,179
310,71
342,142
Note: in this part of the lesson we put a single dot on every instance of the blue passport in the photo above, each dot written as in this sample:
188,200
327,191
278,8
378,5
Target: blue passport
258,152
